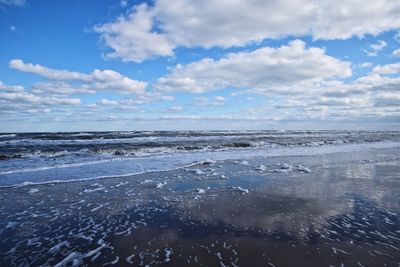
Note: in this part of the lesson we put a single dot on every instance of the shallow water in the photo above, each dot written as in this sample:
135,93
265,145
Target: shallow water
338,209
49,157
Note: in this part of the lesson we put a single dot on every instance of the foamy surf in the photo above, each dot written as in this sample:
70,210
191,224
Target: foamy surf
139,165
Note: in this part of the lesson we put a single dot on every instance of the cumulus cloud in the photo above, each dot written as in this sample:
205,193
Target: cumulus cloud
287,69
374,49
371,94
129,104
114,81
132,38
60,88
150,31
54,92
396,53
382,78
34,99
388,99
107,80
387,69
375,95
377,83
11,88
49,73
17,98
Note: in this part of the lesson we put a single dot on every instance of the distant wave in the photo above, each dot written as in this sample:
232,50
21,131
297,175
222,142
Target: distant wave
134,144
95,168
144,150
29,152
7,135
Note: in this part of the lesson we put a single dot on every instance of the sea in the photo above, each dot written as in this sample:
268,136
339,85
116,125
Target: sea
39,158
200,198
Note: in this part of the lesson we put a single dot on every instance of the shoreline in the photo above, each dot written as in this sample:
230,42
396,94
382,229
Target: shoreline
311,210
184,159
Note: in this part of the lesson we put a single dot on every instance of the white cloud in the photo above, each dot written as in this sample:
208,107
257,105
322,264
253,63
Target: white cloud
144,98
342,101
33,99
11,88
382,78
366,65
370,95
12,2
375,95
220,99
123,3
49,73
132,38
288,69
203,101
176,109
59,88
396,53
388,99
107,80
387,69
114,81
149,31
175,83
15,95
377,82
374,49
397,36
106,102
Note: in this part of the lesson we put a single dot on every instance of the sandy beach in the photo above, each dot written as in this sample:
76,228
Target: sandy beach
336,209
214,133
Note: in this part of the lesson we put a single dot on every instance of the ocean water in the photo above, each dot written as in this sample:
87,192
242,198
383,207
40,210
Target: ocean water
36,158
268,198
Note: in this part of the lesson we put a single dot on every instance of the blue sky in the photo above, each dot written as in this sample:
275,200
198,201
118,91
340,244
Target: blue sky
185,64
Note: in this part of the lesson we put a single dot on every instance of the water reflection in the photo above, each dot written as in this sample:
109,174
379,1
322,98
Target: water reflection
342,214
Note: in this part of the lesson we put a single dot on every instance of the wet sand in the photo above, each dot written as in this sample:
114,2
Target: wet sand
324,210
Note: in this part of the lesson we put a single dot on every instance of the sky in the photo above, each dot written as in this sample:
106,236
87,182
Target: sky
199,65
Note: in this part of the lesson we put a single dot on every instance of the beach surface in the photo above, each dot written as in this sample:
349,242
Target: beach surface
318,207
